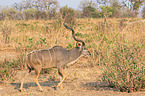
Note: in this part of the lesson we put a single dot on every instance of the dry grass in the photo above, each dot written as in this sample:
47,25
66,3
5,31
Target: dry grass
100,38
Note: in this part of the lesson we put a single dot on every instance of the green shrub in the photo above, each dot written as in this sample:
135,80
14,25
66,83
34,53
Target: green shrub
68,14
126,68
8,13
31,13
90,11
8,68
106,10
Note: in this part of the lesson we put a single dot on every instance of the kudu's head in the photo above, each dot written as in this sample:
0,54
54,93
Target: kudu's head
80,43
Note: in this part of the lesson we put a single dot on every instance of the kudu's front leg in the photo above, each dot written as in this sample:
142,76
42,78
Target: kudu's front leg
63,75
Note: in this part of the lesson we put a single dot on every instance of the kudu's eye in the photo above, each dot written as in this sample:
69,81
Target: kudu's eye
79,44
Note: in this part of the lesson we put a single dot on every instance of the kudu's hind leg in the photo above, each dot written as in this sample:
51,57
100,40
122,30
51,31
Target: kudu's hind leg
62,74
37,72
23,77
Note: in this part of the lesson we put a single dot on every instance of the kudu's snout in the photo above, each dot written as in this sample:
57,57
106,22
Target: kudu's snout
86,53
89,53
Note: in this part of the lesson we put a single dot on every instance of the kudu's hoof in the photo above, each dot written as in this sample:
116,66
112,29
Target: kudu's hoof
41,90
58,87
55,88
21,90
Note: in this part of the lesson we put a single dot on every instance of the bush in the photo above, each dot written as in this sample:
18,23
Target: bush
126,12
117,7
126,71
41,15
68,14
31,13
8,68
8,13
143,12
106,11
90,11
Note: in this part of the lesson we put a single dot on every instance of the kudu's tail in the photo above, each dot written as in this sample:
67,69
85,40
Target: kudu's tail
73,35
28,65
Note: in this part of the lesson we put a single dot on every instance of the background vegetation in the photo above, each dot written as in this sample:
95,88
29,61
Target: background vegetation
49,9
116,44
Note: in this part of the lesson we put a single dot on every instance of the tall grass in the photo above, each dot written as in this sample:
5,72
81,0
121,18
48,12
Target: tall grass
6,29
117,45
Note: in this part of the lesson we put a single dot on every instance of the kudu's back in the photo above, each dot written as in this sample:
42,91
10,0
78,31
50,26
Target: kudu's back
47,58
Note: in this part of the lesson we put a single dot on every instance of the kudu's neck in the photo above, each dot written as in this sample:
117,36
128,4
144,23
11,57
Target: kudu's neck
74,54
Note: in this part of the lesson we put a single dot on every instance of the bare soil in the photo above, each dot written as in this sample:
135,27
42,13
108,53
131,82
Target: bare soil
80,82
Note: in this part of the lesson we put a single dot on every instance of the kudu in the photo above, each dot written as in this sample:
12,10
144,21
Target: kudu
56,57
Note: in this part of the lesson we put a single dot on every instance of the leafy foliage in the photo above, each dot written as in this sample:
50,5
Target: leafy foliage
8,13
134,4
143,12
90,11
117,9
106,11
68,14
126,71
48,9
8,68
30,13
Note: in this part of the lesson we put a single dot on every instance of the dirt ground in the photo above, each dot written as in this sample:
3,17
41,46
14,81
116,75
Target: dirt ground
81,81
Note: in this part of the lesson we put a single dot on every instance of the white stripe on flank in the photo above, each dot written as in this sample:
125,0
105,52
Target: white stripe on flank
50,57
54,53
42,57
38,57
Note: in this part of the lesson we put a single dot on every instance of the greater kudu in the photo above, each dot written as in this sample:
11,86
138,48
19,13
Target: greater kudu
56,57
